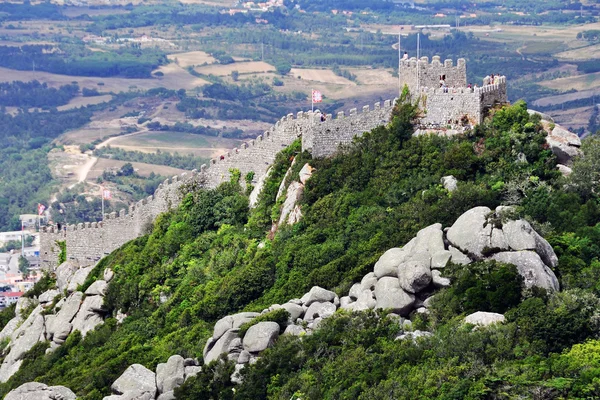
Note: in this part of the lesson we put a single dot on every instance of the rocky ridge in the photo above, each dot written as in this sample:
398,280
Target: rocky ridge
403,280
54,315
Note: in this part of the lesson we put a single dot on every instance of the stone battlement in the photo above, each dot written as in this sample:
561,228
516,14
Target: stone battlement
460,106
421,73
88,242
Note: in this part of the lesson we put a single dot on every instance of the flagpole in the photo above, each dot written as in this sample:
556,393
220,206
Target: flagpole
399,62
22,239
418,58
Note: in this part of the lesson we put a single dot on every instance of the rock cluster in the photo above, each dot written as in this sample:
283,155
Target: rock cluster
70,314
403,280
139,383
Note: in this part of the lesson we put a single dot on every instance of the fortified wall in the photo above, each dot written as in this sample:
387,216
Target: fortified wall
461,106
87,243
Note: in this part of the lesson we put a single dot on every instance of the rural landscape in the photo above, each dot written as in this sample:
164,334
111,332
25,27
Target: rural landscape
244,200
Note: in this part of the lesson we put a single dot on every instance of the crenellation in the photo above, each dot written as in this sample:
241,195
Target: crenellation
352,111
340,115
365,109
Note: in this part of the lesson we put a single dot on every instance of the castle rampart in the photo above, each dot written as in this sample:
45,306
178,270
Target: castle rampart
458,106
89,242
453,105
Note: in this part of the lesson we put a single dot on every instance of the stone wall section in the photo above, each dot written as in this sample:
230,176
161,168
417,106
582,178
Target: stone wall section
88,242
323,139
451,106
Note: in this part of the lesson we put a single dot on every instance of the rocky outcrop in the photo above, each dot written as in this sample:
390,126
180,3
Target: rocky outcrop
449,182
137,382
39,391
483,318
404,280
53,324
564,144
291,212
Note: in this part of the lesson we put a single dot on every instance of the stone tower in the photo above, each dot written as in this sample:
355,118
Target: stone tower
428,75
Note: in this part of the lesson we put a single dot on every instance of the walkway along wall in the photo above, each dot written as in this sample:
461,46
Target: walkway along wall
87,243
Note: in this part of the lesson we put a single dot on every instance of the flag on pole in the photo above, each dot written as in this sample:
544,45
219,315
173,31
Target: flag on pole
317,97
106,195
41,208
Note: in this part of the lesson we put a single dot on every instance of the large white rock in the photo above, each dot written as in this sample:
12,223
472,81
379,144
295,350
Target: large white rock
64,272
48,296
317,294
457,257
319,310
294,330
170,375
87,317
232,322
78,278
387,265
438,280
414,276
295,310
484,318
97,288
564,144
389,294
214,349
136,378
293,194
429,240
39,391
368,281
471,233
22,340
449,182
521,236
531,267
260,336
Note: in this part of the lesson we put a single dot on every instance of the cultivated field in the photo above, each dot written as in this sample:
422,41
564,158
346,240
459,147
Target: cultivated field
192,58
172,142
573,118
142,169
580,54
85,101
561,98
249,67
174,78
373,76
579,82
320,75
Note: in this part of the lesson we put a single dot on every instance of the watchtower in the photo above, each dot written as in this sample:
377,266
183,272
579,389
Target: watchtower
420,73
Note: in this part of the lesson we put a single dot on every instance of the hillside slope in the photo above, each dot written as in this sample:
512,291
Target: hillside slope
214,257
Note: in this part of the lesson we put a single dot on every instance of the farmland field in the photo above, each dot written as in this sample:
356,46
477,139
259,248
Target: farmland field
191,58
142,169
182,143
249,67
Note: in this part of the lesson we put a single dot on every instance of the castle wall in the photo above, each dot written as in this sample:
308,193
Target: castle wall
452,107
429,73
87,243
324,138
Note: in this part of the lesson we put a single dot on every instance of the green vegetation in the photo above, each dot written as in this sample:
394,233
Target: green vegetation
35,94
129,62
205,259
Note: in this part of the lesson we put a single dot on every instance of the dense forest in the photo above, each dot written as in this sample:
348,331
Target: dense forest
35,94
206,259
128,62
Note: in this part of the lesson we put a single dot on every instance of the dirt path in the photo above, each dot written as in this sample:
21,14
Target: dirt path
85,169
